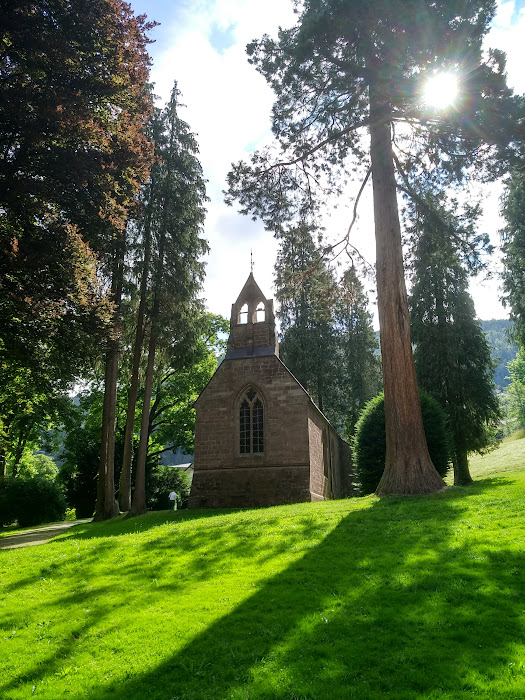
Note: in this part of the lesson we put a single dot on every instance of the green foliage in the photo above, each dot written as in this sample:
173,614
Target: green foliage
179,384
513,236
31,500
80,452
73,104
305,288
327,339
40,465
325,71
26,414
452,353
73,101
369,440
161,481
357,358
171,273
515,394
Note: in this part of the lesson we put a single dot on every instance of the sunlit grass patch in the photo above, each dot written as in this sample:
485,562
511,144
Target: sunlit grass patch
364,598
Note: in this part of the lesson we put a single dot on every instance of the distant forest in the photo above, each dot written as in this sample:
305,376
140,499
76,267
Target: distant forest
503,349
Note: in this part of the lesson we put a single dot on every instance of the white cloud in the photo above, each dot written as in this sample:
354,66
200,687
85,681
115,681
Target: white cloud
507,34
228,107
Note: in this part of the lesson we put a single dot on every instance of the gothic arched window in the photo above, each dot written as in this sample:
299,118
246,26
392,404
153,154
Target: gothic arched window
251,424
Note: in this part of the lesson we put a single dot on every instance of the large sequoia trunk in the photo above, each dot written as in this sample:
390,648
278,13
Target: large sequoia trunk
408,467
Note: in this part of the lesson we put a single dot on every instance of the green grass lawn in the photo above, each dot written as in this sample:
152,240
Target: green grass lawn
363,598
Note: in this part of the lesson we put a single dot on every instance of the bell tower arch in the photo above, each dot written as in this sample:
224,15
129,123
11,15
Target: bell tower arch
252,324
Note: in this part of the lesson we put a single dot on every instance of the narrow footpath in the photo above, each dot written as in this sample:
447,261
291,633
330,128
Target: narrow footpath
38,535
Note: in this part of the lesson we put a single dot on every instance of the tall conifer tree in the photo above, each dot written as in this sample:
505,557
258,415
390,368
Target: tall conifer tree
327,338
452,353
175,268
358,359
306,295
513,236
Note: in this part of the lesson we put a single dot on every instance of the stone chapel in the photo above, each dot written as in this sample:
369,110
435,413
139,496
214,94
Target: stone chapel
259,438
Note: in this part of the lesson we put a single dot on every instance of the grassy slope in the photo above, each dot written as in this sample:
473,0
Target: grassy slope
398,598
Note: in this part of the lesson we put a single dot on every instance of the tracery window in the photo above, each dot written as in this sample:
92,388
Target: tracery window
251,423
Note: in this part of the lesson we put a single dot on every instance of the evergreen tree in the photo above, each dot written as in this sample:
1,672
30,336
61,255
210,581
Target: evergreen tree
176,270
515,393
305,290
346,67
452,354
327,338
358,360
513,236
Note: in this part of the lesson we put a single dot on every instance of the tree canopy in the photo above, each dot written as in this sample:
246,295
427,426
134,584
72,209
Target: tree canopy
452,353
73,104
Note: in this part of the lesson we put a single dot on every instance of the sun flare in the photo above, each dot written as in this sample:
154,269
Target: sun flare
441,90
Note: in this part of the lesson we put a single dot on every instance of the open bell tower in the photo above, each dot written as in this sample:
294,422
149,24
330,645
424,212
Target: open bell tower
252,324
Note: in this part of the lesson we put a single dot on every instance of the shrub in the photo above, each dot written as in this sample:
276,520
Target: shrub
34,500
7,516
369,441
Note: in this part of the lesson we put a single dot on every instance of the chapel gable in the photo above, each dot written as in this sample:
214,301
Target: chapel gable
259,438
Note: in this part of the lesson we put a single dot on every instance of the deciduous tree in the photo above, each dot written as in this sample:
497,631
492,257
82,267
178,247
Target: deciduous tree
73,107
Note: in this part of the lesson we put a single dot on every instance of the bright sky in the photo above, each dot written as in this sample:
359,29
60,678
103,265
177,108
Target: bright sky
201,44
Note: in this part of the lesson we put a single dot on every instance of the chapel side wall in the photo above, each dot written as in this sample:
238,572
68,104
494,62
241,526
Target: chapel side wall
320,483
330,460
225,478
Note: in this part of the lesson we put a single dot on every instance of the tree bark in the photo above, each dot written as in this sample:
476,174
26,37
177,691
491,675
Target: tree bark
408,467
461,471
18,453
107,506
4,436
125,475
138,505
139,495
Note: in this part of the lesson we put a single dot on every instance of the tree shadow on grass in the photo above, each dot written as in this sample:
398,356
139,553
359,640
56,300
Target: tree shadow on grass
389,603
124,525
99,570
386,605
